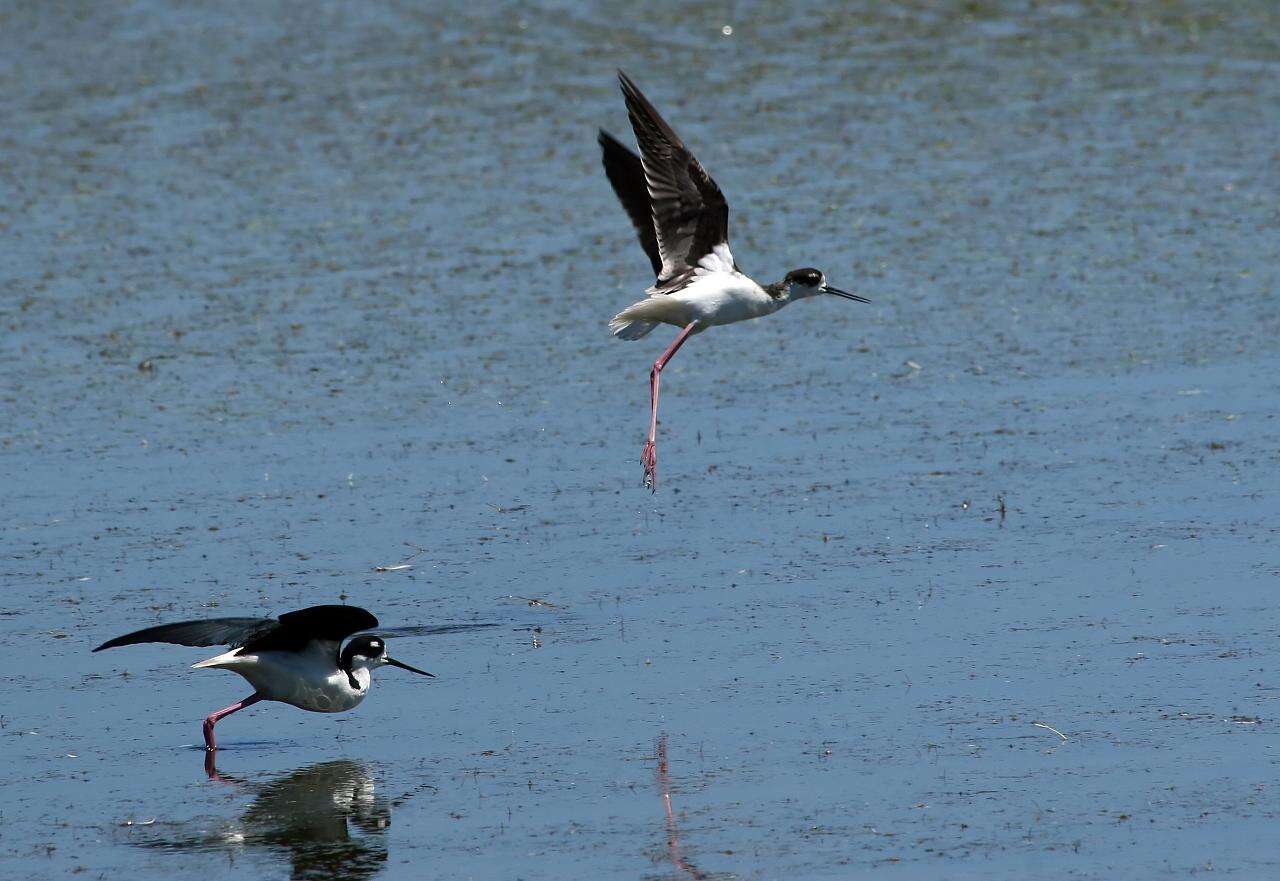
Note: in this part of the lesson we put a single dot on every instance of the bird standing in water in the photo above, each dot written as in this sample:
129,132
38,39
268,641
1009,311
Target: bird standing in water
682,220
295,659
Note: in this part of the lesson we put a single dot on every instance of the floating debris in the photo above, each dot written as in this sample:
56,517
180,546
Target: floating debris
1244,720
1050,728
535,602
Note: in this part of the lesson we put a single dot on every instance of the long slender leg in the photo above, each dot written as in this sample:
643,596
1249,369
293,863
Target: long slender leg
649,455
209,743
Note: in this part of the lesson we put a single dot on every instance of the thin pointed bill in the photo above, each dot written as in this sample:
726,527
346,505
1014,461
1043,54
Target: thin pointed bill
403,666
828,289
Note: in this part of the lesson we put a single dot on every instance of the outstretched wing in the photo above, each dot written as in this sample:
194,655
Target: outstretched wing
211,631
429,629
626,173
690,215
291,631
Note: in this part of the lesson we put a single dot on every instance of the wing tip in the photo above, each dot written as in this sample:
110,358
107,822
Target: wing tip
116,642
630,90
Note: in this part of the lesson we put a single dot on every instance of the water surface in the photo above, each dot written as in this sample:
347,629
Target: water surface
294,292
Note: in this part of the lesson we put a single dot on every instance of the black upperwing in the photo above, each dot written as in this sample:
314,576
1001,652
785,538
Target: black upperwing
429,629
690,214
290,632
210,631
626,173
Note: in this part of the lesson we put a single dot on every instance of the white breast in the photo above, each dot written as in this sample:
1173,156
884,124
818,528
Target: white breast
308,680
723,298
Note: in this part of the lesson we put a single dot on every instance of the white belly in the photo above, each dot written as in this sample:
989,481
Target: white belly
307,680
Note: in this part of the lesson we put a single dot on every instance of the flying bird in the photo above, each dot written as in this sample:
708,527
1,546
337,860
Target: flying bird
682,220
295,659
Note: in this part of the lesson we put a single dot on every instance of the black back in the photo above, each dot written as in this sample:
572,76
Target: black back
321,623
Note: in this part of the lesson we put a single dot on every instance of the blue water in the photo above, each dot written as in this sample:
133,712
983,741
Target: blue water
290,293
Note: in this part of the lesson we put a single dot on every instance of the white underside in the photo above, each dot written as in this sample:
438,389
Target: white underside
307,680
718,294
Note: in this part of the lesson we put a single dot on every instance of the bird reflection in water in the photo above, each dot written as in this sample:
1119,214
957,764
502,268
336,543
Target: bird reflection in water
678,861
328,819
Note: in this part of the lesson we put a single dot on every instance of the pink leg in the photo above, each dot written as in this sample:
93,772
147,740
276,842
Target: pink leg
211,770
649,455
209,743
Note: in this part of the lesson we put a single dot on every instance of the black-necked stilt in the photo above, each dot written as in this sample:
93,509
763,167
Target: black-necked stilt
296,659
682,220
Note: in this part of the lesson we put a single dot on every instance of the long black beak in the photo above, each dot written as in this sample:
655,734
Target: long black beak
828,289
403,666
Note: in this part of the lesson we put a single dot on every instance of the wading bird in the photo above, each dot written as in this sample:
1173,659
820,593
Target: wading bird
682,220
295,659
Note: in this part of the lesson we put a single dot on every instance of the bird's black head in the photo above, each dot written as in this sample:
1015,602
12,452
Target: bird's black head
809,282
807,277
367,651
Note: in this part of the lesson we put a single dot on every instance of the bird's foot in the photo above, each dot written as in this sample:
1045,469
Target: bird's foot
649,459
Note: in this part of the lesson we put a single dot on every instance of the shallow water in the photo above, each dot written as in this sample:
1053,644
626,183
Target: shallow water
295,292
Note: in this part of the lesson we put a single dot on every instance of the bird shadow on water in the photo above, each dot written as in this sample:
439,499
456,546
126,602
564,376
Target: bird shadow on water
328,820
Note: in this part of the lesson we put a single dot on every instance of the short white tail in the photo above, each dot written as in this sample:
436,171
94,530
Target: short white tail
630,329
629,324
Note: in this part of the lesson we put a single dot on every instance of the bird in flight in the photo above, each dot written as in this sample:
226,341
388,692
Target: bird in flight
682,220
295,659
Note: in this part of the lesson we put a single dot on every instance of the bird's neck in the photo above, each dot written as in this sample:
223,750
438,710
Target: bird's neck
359,677
779,292
784,292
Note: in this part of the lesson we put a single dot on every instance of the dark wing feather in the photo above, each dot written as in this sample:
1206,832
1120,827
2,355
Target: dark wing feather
290,632
318,623
626,173
211,631
690,214
429,629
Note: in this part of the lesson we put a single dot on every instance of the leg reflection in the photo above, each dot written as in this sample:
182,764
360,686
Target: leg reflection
673,831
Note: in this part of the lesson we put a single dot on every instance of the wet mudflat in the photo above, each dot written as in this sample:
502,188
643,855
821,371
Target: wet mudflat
976,582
